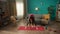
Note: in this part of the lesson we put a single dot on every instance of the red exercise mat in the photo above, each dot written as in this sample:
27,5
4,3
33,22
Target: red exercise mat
40,28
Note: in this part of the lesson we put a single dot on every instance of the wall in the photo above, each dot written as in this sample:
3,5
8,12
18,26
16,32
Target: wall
20,8
41,4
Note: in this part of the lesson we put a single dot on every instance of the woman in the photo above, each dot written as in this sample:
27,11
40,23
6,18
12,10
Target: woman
32,19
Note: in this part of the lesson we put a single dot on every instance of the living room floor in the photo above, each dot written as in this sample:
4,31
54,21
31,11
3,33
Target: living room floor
11,29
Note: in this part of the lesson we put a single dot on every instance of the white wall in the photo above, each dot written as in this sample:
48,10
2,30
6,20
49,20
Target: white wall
20,8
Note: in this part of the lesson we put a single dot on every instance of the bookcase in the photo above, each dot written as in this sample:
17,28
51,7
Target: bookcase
4,13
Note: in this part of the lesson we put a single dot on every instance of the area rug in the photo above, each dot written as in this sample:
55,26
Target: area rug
40,28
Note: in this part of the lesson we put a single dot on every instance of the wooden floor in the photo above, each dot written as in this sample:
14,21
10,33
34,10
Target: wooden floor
10,29
27,32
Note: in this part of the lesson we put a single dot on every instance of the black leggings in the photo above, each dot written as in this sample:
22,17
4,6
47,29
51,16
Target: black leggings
33,22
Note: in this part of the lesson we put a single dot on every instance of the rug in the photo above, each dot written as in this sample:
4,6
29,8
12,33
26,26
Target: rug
40,28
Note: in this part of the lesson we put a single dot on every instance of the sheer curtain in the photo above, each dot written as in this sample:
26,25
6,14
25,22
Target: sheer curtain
20,8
